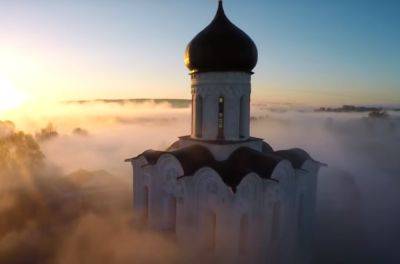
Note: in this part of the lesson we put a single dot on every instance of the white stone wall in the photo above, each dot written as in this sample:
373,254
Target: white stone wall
305,210
204,203
234,87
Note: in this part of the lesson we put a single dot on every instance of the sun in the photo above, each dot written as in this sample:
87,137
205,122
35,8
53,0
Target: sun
10,97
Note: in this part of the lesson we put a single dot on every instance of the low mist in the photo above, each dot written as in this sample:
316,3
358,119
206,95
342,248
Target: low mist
65,193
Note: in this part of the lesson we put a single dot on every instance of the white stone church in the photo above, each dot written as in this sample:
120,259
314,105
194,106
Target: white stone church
223,193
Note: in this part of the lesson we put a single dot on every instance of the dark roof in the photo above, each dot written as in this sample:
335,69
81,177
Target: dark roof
221,46
221,142
242,161
266,148
296,156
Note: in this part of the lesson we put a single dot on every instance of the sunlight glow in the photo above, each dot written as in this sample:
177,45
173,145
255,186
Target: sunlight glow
10,97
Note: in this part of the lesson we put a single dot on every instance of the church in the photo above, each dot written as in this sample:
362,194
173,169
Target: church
222,193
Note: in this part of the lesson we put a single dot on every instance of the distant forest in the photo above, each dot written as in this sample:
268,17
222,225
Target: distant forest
175,103
353,108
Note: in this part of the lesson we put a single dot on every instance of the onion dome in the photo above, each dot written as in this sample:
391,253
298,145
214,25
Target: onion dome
221,46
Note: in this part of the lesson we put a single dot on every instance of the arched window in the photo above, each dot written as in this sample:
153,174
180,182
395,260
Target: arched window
192,116
210,224
221,117
243,235
145,212
171,213
275,222
300,215
242,117
199,116
275,231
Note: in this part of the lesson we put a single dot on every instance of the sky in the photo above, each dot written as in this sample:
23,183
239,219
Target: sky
310,52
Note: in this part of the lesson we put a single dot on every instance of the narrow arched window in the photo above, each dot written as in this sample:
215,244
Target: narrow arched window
192,115
300,214
199,116
275,233
275,221
221,117
145,212
243,235
242,117
171,213
210,224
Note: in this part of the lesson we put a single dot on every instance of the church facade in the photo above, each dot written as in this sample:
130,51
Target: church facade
221,192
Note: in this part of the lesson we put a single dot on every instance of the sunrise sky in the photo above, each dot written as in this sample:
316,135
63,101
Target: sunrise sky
313,52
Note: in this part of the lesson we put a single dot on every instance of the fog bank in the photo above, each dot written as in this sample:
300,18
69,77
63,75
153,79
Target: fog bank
61,194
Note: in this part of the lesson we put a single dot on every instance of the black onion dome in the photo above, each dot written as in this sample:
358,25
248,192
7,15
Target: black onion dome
221,46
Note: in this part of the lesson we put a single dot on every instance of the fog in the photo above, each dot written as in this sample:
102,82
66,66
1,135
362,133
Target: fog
65,193
358,204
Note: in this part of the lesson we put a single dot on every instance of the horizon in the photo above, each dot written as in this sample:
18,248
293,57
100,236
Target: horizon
116,100
254,101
